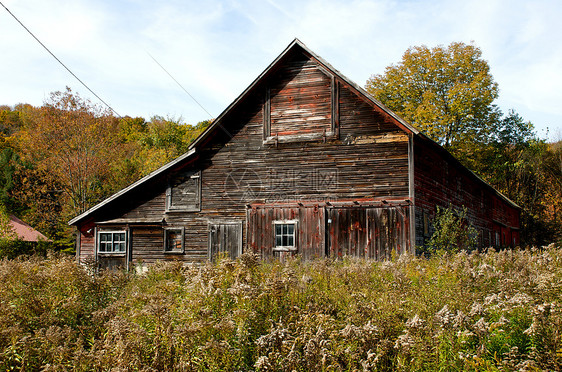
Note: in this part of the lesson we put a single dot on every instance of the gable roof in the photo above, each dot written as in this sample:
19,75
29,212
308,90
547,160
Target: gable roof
25,232
297,44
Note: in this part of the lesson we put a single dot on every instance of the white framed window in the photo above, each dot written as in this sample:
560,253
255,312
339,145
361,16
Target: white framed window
173,240
285,235
112,241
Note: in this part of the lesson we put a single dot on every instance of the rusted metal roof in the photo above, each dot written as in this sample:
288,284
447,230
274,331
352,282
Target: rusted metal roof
25,232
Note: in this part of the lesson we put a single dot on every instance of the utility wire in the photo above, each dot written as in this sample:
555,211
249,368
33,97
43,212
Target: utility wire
59,61
181,86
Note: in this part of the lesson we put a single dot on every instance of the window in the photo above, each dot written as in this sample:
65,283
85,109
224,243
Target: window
112,241
285,235
425,224
173,240
184,193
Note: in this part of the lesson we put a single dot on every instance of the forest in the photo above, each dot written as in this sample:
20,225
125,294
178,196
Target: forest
61,158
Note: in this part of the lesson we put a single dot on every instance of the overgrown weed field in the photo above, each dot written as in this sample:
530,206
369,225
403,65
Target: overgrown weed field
495,311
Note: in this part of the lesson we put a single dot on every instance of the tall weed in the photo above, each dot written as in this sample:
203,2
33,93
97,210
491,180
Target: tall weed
465,311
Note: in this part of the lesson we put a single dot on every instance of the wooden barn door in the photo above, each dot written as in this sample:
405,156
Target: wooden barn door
225,238
367,232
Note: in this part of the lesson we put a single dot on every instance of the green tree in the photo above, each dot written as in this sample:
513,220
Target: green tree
445,92
9,162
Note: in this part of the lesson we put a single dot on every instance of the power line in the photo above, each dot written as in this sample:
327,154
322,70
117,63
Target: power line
59,61
181,86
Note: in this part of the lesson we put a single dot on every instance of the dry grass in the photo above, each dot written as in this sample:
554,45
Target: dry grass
481,312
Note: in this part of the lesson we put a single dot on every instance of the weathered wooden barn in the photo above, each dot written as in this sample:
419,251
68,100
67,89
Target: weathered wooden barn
303,162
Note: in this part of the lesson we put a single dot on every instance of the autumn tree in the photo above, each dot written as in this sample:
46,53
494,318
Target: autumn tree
72,140
447,92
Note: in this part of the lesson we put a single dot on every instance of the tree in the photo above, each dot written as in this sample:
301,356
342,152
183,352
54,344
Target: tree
72,141
452,231
445,92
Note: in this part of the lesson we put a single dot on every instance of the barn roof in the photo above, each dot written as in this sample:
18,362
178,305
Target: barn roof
25,232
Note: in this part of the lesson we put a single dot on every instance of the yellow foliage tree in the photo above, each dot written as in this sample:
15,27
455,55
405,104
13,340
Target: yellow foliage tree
447,92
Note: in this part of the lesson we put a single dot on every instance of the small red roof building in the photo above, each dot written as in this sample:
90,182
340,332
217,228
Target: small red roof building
25,232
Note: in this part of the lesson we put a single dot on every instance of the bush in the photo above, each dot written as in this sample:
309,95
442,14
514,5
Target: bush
453,232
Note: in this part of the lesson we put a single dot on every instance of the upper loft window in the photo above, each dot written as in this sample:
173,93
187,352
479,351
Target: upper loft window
112,241
302,105
184,193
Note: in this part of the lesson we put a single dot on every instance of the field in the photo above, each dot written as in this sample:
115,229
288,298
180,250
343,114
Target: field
495,311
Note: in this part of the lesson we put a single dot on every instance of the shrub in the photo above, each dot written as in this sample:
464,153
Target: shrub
452,231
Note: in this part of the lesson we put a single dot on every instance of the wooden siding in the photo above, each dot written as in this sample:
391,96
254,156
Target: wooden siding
440,181
300,100
148,245
225,238
310,234
367,232
87,248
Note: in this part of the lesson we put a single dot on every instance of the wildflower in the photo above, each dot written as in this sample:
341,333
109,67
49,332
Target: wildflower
371,330
444,317
415,323
263,364
404,342
464,336
519,299
491,298
460,320
306,279
481,326
477,309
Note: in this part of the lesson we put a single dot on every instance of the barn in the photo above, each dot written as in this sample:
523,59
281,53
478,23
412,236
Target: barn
303,162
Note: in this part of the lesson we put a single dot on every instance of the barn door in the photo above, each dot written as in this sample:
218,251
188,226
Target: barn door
225,238
367,232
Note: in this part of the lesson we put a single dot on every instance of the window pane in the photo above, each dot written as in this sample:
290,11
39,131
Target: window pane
103,237
121,237
284,229
102,247
174,240
290,241
278,241
291,229
277,229
122,247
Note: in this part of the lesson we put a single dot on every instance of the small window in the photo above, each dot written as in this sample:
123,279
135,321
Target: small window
173,240
184,193
425,224
285,235
112,241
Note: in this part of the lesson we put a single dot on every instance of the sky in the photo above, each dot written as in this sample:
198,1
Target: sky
216,48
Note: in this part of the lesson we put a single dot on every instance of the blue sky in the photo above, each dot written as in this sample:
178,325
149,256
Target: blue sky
215,49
